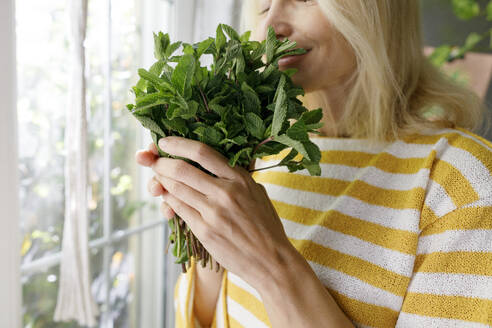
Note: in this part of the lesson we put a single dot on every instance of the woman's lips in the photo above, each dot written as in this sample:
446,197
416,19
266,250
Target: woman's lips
289,60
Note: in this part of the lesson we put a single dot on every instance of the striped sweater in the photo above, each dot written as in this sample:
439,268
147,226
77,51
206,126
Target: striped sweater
400,233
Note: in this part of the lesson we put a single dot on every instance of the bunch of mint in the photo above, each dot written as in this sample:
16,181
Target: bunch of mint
241,107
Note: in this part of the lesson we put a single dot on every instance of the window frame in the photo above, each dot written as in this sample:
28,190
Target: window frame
10,298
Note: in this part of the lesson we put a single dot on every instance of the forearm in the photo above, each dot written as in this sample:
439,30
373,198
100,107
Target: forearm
293,296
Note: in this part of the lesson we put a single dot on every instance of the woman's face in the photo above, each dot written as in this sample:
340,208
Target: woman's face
330,59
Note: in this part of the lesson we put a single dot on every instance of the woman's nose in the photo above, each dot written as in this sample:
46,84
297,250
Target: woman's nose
279,18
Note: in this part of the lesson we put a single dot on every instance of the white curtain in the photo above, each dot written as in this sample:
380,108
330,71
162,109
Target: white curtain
10,296
74,295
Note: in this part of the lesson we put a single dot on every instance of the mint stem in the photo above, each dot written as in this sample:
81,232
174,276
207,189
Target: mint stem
204,98
261,143
269,167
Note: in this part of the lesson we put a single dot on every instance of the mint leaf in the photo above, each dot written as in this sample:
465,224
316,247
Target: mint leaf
312,116
220,39
245,37
293,153
280,113
148,123
242,152
172,48
297,145
183,74
161,42
298,131
271,44
254,125
204,46
313,167
155,81
230,32
466,9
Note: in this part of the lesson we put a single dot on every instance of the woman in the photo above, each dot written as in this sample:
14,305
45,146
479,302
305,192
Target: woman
397,229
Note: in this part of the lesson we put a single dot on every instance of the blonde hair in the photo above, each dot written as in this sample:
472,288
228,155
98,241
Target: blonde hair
394,84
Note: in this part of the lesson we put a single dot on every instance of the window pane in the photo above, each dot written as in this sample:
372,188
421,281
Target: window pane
42,92
137,289
40,292
125,61
95,49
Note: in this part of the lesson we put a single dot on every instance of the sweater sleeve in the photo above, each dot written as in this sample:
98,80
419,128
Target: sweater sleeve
451,285
184,293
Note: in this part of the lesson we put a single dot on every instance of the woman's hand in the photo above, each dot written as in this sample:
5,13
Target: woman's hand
230,214
154,187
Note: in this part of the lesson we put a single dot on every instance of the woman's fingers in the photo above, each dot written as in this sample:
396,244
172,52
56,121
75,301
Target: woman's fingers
153,149
155,188
167,211
145,157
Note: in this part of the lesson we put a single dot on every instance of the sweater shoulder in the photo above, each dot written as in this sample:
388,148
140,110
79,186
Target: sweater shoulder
460,168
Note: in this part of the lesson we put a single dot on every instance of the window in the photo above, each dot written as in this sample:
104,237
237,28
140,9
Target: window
126,235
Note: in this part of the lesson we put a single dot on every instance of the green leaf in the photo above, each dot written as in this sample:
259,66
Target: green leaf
297,145
490,31
149,123
271,44
313,167
286,45
313,151
231,32
290,72
298,131
155,81
177,124
471,41
161,42
245,37
265,89
259,51
254,125
293,153
293,166
466,9
312,116
488,11
313,127
280,86
240,64
157,67
242,152
204,46
147,99
280,113
155,138
252,102
440,55
183,74
220,39
209,135
268,70
184,110
172,48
